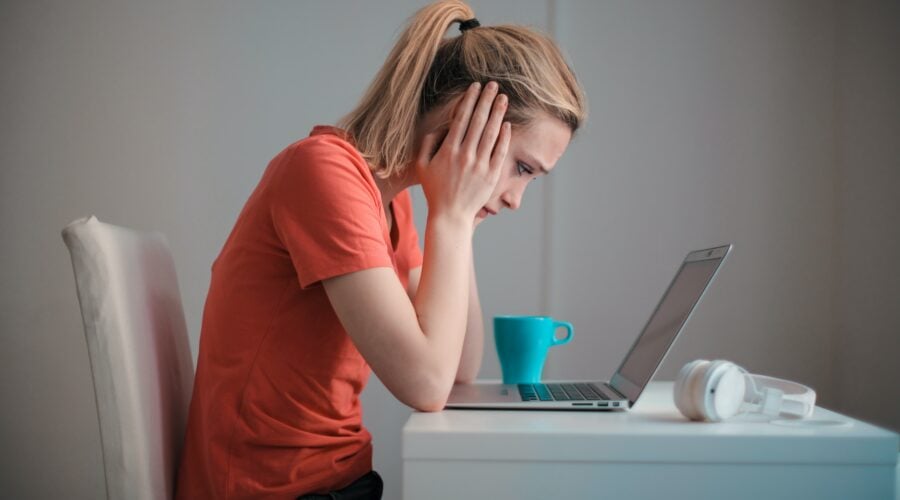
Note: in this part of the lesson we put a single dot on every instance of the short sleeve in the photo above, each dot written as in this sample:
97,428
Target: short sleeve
326,210
408,247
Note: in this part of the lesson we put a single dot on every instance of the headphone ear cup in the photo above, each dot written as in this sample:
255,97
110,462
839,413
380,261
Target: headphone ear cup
684,388
723,390
703,385
730,389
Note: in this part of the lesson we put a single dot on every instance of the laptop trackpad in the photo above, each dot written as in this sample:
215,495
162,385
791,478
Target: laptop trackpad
484,393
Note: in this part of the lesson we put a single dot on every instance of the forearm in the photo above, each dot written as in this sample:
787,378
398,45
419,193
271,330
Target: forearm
442,299
473,345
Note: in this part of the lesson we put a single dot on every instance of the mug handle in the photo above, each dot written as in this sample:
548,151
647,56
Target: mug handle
570,332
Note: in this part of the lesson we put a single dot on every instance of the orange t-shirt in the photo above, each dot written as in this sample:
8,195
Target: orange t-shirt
275,410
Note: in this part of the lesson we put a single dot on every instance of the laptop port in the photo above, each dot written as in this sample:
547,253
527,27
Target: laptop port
615,404
581,404
603,404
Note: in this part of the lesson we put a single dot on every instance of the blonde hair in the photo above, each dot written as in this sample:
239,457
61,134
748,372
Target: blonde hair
424,71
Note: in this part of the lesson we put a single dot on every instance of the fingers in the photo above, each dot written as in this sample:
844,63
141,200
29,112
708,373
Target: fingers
480,117
492,129
500,149
462,114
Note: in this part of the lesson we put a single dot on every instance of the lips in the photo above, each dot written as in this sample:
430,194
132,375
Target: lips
485,211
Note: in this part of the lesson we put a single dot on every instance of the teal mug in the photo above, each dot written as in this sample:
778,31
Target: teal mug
522,344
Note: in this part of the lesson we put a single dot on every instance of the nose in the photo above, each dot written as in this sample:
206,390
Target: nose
512,197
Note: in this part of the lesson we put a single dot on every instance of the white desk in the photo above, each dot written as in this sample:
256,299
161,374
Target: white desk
647,453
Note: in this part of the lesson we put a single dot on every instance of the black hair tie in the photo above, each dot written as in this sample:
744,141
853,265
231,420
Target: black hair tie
467,25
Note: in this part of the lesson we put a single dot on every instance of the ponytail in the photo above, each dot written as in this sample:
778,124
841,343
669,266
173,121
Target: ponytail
383,125
424,71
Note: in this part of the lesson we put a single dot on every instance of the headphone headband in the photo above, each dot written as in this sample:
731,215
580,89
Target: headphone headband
796,399
717,390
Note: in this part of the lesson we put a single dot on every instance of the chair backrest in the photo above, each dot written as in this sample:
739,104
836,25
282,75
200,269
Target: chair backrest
139,352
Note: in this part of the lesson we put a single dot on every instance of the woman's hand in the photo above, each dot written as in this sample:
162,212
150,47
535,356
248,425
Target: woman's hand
461,176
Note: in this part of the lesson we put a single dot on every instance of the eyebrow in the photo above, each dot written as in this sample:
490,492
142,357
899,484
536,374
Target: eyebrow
532,161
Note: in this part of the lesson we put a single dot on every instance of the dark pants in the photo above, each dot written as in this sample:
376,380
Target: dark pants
367,487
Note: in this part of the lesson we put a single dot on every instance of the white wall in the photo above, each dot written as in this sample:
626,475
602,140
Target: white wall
868,289
711,122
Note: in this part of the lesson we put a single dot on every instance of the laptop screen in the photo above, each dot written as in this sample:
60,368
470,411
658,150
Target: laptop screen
671,314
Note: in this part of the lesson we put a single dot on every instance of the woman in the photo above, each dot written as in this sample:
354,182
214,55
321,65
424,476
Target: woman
322,277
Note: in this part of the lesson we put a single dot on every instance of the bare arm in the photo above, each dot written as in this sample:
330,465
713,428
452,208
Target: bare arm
415,345
473,345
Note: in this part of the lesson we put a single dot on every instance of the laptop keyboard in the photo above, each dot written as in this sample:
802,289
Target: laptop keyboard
561,392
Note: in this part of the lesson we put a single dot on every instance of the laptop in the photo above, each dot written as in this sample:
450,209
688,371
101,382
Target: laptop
635,371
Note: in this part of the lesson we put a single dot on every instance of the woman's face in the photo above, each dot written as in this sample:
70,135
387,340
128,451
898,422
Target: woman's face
533,152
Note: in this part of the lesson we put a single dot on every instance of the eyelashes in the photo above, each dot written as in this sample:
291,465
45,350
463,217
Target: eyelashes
523,169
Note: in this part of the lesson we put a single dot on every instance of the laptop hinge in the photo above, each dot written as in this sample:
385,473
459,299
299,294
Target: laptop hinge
613,389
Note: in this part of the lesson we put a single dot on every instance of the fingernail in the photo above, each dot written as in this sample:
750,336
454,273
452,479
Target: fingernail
492,85
476,85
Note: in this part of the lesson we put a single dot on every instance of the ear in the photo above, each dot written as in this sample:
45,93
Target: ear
440,134
447,111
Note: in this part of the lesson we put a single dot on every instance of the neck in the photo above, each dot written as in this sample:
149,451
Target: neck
393,185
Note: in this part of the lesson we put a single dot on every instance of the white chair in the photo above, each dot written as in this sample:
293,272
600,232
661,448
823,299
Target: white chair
139,352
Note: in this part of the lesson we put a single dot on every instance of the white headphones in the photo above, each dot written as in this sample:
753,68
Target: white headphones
716,390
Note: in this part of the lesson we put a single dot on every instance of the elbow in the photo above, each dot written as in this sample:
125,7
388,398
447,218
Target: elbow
429,404
425,386
433,396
